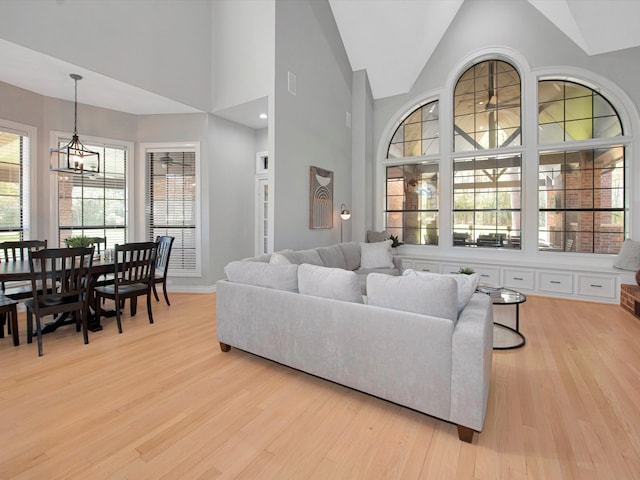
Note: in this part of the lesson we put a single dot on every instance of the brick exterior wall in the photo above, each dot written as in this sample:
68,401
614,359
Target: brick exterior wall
629,294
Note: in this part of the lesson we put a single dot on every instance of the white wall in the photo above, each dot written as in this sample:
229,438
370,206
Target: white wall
309,127
243,49
157,45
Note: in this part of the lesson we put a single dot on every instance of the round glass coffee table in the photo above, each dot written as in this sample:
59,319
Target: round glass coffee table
504,296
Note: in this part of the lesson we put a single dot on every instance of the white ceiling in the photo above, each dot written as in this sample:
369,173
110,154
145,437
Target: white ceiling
387,38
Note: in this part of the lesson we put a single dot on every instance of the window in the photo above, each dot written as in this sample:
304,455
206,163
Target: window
172,200
581,191
486,104
487,188
417,135
14,197
412,188
95,205
412,203
486,201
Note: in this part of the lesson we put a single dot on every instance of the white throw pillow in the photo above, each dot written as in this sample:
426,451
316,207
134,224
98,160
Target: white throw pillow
279,259
376,255
467,284
435,296
629,256
326,282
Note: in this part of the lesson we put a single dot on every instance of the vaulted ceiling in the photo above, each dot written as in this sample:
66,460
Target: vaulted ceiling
388,38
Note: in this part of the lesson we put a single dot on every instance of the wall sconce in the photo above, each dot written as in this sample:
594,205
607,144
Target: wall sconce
344,215
74,157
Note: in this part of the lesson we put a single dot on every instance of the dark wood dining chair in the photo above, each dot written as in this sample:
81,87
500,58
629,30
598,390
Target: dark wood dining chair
18,251
12,251
162,265
133,277
60,281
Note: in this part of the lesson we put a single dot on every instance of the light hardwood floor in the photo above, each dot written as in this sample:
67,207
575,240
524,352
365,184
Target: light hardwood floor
163,402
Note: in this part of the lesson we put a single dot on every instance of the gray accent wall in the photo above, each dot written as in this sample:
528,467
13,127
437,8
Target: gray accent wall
310,127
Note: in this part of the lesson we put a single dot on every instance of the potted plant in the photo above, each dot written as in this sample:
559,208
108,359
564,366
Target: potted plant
394,241
466,271
79,241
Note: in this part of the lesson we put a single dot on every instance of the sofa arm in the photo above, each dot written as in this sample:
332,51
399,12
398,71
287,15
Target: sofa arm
472,351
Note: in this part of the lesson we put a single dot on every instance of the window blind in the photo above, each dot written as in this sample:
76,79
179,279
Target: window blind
172,205
14,148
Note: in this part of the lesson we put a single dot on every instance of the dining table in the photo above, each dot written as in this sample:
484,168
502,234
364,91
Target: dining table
19,270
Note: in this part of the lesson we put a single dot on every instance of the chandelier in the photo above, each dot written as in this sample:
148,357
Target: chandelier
74,157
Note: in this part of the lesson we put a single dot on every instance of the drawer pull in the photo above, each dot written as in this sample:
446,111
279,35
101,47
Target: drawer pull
426,270
518,278
484,275
555,281
596,286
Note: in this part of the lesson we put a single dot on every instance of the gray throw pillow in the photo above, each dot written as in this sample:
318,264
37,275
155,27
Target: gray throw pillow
376,255
629,256
373,237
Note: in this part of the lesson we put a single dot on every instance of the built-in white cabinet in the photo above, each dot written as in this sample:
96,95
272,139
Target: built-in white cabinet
598,285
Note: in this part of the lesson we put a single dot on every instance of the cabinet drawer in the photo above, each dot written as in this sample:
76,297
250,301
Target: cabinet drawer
422,266
519,279
488,276
597,286
556,282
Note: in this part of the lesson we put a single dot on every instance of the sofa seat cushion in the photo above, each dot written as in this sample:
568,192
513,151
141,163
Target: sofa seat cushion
435,296
467,284
261,274
336,283
332,257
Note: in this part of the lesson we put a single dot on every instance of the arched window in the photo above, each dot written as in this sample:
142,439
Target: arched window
581,165
411,207
487,186
580,170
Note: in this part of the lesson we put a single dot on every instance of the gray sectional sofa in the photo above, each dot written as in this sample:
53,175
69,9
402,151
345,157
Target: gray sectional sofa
413,339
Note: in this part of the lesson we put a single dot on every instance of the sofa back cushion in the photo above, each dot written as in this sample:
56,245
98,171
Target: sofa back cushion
335,283
310,256
332,257
351,252
467,284
261,274
436,296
